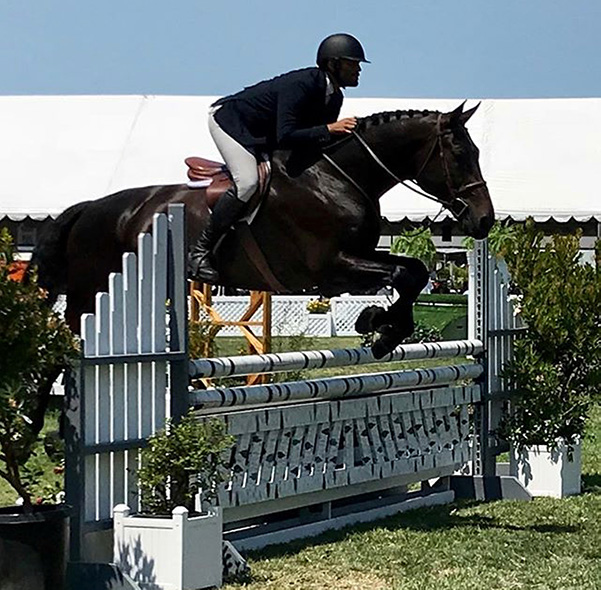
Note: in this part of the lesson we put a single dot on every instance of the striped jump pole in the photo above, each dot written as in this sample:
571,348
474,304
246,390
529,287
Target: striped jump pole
332,387
317,359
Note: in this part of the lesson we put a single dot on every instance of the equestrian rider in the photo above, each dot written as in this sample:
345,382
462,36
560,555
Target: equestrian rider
295,111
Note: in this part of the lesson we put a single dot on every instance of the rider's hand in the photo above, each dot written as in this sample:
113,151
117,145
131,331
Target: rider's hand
342,126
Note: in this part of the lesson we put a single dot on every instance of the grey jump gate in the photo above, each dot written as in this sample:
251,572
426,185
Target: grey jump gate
299,445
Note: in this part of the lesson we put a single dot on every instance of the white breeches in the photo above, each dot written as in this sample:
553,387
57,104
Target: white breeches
240,162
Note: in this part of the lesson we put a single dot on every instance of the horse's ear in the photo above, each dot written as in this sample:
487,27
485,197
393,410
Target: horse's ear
455,116
465,117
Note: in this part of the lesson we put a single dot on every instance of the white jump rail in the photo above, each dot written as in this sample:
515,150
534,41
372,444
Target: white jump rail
332,387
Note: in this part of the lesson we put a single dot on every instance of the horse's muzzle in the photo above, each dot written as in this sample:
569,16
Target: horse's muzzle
481,226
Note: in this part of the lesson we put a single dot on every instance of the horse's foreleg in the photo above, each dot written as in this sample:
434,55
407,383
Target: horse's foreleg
355,275
408,276
360,276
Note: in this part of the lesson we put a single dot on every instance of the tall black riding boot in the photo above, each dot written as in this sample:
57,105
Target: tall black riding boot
200,260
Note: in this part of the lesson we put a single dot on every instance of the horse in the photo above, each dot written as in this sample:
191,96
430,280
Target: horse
317,232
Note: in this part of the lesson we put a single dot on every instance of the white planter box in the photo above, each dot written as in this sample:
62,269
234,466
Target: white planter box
545,473
177,553
319,324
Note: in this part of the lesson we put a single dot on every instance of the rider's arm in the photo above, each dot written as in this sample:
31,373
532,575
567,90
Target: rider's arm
289,131
293,101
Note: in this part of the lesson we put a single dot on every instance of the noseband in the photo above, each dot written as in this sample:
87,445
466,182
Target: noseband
457,205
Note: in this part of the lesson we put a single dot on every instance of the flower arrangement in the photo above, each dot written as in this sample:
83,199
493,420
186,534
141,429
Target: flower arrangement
321,305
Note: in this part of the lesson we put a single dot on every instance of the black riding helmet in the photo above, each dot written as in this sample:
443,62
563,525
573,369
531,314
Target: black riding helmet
340,45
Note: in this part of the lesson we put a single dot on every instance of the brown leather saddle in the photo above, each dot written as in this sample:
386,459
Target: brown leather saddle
216,178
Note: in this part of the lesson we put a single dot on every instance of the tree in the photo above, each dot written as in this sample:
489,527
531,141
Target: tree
34,341
417,244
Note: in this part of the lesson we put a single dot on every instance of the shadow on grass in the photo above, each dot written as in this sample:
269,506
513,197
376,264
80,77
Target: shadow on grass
437,518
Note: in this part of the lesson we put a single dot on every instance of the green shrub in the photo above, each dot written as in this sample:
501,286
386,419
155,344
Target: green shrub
423,333
556,370
202,339
179,461
501,237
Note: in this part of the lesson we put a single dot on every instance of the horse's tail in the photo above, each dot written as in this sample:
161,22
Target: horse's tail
50,254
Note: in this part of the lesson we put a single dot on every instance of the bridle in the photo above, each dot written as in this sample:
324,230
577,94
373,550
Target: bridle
457,205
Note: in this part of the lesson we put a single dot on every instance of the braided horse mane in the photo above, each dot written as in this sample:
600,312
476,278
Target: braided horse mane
364,123
377,119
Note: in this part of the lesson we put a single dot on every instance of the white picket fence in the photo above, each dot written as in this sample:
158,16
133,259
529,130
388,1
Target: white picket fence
300,444
290,316
132,375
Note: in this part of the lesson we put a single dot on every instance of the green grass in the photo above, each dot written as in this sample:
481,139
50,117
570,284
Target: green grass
546,544
440,317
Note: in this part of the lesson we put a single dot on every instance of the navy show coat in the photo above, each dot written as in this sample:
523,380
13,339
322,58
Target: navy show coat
288,112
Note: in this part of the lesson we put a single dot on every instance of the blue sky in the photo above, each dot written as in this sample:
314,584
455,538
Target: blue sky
419,48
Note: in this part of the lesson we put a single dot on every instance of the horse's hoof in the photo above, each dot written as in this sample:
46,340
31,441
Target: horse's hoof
383,346
391,337
387,329
370,319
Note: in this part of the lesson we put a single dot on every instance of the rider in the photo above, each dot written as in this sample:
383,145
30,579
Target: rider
297,111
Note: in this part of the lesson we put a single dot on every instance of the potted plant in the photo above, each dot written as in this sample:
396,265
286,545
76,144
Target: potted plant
34,342
556,369
175,542
319,320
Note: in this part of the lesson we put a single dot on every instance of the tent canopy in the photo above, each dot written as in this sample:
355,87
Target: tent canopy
539,157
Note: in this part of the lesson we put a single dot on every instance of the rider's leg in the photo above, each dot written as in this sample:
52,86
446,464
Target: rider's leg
243,168
200,260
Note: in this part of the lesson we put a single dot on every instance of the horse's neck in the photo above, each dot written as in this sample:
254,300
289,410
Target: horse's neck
397,144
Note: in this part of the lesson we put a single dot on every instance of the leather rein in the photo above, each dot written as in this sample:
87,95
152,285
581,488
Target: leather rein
457,205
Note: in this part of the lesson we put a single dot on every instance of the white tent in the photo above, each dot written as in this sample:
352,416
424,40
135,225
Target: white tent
539,157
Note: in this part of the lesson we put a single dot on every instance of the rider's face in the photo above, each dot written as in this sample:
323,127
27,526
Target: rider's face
348,72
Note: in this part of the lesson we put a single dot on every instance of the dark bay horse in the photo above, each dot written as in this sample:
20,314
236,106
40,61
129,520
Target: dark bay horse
318,231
